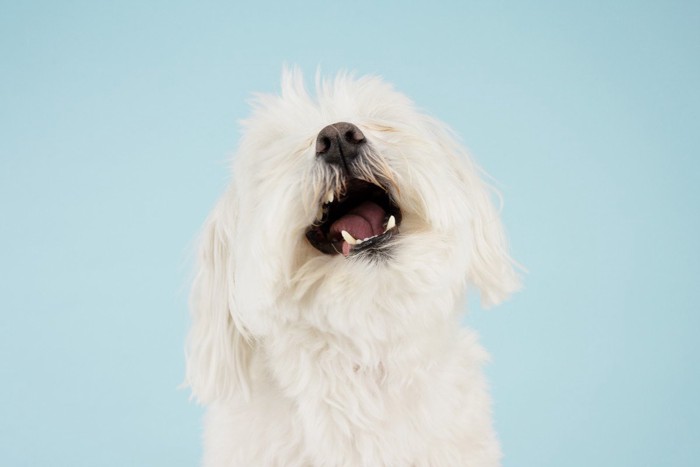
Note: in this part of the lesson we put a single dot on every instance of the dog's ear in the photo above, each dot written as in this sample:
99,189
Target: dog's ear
218,351
491,267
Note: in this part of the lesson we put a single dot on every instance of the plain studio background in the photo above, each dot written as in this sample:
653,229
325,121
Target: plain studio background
116,121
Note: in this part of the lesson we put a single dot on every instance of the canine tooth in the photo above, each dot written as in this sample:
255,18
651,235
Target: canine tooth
348,238
390,224
329,197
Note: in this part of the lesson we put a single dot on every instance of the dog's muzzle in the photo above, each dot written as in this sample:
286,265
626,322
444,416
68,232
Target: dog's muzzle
359,217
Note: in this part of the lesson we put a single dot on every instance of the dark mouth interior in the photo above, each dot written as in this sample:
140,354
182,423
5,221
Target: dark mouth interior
361,212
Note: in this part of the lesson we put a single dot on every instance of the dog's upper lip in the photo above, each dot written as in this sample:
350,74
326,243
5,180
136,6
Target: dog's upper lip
362,217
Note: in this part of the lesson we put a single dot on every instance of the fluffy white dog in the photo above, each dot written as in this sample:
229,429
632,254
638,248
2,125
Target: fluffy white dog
332,276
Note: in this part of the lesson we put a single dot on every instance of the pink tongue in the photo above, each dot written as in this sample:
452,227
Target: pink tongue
364,221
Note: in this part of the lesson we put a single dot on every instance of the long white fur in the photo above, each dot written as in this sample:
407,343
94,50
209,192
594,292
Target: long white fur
306,359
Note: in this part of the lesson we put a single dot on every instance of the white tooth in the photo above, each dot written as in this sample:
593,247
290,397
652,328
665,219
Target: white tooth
348,238
390,224
319,213
358,241
329,197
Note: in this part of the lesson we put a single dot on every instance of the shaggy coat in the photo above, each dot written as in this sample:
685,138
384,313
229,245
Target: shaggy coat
313,349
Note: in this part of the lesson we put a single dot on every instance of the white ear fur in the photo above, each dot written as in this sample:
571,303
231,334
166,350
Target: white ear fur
491,268
217,352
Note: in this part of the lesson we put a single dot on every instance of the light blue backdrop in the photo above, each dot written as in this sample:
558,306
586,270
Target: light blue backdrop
116,120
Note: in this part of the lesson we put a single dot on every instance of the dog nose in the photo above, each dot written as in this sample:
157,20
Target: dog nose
339,143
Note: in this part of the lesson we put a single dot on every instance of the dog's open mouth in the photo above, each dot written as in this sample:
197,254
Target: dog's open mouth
361,219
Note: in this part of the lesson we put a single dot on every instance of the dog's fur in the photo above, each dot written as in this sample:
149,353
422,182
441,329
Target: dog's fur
310,359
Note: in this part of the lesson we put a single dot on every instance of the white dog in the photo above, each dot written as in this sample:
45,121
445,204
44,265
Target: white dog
331,280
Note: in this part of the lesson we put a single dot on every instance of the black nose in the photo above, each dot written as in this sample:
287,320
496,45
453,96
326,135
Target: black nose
339,143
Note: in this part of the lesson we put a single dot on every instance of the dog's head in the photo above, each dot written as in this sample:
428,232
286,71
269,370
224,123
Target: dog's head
351,196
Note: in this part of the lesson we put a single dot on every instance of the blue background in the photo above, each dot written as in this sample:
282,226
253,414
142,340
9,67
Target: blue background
116,122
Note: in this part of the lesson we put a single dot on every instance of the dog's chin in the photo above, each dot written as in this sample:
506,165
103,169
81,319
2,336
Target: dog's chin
360,221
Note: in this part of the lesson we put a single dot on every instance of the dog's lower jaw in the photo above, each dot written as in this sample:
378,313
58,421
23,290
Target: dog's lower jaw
377,405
